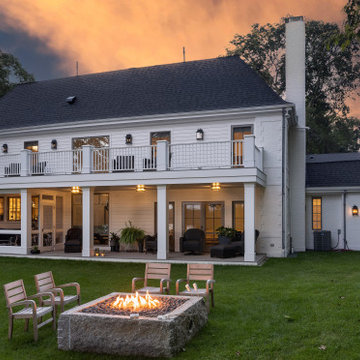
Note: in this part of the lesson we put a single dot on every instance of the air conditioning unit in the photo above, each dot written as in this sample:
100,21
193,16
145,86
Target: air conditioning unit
322,240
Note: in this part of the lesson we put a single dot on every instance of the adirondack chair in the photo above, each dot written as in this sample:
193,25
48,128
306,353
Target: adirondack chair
201,272
155,271
15,296
45,282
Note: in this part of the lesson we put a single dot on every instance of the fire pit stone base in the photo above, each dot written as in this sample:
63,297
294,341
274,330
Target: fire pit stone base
122,335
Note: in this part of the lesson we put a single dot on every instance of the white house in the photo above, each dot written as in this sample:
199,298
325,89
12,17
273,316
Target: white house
209,142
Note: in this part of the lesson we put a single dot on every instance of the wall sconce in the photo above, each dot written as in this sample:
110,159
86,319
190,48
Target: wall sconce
215,186
355,211
140,188
4,148
200,134
54,144
128,139
75,190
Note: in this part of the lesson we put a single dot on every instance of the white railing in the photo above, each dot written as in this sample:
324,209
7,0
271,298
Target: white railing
134,158
206,155
56,162
10,165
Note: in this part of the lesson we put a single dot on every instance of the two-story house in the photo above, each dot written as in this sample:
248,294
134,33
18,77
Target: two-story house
197,144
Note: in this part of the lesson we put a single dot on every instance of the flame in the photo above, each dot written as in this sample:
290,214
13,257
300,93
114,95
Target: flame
135,302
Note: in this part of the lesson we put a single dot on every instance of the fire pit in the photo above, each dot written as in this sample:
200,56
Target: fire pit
132,324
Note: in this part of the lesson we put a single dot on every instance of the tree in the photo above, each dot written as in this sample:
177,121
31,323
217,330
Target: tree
332,74
11,73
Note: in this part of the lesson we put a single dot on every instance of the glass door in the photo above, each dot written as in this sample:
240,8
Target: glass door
238,134
48,229
171,224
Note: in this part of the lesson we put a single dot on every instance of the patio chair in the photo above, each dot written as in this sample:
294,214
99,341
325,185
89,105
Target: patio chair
193,241
15,296
45,282
202,272
150,243
73,240
154,271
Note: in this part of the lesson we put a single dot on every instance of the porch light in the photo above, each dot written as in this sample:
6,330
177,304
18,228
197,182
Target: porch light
140,188
128,139
355,210
75,189
215,186
4,148
200,134
53,144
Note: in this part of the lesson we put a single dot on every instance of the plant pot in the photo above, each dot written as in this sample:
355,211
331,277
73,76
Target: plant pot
32,251
224,240
115,247
141,245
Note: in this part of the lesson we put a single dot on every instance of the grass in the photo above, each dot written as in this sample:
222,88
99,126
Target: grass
286,309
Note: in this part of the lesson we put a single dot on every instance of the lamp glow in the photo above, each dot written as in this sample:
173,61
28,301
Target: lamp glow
215,186
75,189
140,188
355,211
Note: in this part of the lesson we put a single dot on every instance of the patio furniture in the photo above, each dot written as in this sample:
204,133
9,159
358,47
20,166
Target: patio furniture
45,282
154,271
150,243
202,272
73,240
15,296
193,241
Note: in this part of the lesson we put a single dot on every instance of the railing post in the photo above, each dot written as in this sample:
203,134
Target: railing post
249,151
25,162
162,155
87,159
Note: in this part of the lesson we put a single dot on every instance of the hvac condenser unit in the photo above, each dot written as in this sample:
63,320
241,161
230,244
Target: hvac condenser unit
322,240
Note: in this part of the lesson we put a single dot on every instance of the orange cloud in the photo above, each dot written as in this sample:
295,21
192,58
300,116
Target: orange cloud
113,34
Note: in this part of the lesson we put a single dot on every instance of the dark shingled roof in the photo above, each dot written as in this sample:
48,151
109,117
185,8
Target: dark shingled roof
214,84
326,170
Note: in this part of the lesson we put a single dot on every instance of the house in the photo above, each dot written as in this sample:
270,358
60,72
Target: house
197,144
333,199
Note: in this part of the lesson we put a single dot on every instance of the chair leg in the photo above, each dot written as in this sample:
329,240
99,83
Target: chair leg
54,317
26,325
11,322
35,327
78,300
212,299
62,307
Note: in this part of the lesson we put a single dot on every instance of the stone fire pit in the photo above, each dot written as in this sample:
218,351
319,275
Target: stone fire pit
96,327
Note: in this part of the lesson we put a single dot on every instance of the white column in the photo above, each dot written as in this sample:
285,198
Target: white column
87,159
25,162
162,155
249,226
87,214
162,222
25,221
249,151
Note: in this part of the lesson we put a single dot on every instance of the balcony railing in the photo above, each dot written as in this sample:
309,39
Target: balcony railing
160,157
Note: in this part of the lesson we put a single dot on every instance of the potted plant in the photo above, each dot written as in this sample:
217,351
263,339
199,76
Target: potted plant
131,234
225,235
115,242
35,250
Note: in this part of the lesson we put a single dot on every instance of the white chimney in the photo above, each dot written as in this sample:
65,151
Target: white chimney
295,93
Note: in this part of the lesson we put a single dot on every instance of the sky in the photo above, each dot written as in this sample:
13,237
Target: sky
49,36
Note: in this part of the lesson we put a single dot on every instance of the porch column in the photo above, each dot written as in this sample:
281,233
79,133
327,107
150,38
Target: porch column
87,225
25,220
162,222
249,226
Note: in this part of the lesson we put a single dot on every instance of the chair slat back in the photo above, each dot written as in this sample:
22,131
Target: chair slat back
200,272
14,292
44,281
157,271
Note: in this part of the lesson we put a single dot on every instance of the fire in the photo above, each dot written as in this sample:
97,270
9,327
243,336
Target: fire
135,302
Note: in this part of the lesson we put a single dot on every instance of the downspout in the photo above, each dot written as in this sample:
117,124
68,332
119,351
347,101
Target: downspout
283,190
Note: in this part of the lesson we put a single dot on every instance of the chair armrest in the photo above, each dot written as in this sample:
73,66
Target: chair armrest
72,284
162,284
24,302
134,280
41,294
209,283
178,281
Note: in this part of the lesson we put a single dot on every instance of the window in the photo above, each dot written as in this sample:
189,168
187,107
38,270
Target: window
2,209
31,145
96,141
14,209
238,215
35,213
160,135
316,213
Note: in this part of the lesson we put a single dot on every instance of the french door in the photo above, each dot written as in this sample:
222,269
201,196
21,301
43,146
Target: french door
207,216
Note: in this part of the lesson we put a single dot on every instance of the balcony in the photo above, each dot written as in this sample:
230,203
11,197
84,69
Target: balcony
163,157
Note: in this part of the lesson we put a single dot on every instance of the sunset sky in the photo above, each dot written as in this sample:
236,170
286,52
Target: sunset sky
48,36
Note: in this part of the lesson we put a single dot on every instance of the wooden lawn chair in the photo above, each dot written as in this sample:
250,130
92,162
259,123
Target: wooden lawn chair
15,296
45,282
157,271
201,272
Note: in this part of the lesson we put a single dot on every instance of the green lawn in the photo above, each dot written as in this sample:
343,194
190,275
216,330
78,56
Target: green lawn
286,309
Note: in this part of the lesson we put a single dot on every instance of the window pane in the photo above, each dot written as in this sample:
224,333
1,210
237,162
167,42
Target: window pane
14,210
316,214
31,145
35,213
96,141
238,215
1,209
